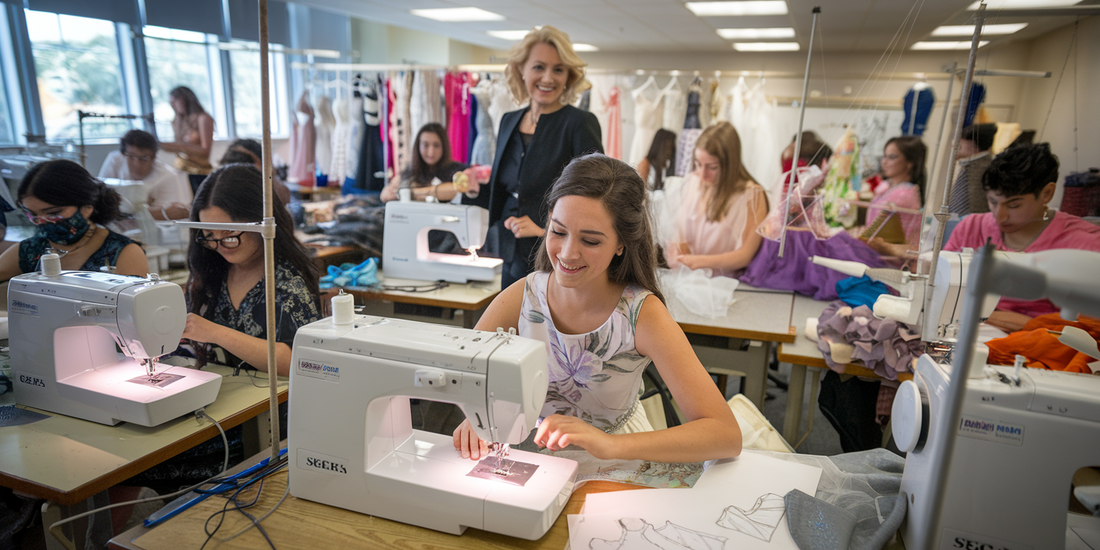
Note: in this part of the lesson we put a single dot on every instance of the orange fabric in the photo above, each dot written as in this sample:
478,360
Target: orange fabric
1042,349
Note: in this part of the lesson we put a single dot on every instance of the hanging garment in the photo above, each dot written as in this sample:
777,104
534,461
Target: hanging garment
614,141
717,103
736,106
471,127
691,113
369,176
974,100
457,92
685,150
842,182
917,106
339,140
485,144
400,135
675,105
424,102
303,140
648,115
501,102
324,123
355,136
760,141
794,272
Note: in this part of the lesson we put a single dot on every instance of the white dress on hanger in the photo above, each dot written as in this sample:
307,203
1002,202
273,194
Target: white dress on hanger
648,116
675,106
339,141
325,123
355,136
425,104
761,144
501,102
736,106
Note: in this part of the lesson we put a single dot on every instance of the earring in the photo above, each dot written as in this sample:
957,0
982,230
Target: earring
1046,213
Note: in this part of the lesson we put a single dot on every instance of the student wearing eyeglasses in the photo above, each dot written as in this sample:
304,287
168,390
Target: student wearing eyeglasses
167,191
225,290
69,209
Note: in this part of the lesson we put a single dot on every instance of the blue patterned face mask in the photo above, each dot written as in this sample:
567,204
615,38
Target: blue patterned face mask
67,231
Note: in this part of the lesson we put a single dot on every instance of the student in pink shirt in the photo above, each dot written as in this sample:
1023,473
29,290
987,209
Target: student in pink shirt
1018,185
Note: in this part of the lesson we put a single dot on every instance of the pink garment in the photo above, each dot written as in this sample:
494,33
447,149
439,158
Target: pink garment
706,237
904,195
303,143
1064,231
456,86
614,145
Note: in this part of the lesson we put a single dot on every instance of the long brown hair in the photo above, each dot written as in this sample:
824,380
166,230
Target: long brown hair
419,173
192,110
722,142
621,190
915,151
662,154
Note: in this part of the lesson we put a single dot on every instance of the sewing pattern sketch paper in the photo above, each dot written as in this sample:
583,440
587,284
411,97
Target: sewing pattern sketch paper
736,504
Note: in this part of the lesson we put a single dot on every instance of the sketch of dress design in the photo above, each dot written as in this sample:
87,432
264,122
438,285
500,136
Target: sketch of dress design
639,534
759,522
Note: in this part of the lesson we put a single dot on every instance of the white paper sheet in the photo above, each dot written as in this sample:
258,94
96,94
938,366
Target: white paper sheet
737,503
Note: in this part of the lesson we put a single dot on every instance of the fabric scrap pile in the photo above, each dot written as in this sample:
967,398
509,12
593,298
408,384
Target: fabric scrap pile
847,334
349,274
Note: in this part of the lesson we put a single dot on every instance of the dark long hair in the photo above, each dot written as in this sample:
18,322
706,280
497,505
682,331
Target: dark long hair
66,183
662,154
418,171
915,151
238,190
621,190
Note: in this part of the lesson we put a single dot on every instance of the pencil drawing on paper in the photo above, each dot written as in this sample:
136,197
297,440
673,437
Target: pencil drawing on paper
638,534
758,522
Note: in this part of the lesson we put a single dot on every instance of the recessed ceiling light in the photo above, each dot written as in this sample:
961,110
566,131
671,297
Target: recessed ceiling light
756,34
1021,4
508,35
459,14
946,45
968,30
766,46
746,7
585,48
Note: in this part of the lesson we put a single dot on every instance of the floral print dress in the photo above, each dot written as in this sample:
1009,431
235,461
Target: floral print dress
596,376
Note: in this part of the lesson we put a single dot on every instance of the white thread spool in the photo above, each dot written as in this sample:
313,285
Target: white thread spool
343,308
51,265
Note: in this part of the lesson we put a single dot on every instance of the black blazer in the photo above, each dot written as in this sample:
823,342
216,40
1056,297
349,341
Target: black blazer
559,137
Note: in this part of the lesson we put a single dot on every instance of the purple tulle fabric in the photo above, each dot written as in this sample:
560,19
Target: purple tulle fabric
885,346
795,272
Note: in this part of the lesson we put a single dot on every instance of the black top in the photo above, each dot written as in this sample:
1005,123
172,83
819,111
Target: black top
32,249
559,138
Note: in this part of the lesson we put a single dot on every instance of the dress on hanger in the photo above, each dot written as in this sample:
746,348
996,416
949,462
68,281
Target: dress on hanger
323,123
717,103
614,142
916,118
303,139
369,174
339,140
648,115
501,102
400,136
760,141
685,144
675,105
457,89
485,142
424,104
354,137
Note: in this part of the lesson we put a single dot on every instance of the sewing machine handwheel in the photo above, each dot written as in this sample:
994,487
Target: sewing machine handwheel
909,420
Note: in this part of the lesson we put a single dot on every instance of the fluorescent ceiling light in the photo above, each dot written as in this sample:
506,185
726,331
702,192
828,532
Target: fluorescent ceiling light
968,30
585,48
746,7
508,35
930,45
459,14
1021,4
756,34
766,46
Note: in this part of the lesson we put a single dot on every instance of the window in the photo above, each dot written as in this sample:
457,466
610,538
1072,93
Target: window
184,58
245,76
7,118
79,68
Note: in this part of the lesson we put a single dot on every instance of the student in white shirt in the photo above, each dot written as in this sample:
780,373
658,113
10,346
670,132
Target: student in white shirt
167,190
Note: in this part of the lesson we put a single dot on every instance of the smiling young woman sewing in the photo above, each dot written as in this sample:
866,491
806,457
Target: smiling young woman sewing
594,300
69,208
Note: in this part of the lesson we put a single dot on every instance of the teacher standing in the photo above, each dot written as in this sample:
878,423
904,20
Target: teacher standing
544,69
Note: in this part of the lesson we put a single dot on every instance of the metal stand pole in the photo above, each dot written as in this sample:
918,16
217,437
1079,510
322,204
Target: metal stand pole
798,136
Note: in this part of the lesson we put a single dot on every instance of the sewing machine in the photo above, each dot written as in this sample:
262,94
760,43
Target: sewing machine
63,331
351,439
405,253
1020,436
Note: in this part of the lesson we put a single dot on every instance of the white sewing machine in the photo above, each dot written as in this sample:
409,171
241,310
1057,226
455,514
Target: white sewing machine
351,441
63,332
1021,434
405,253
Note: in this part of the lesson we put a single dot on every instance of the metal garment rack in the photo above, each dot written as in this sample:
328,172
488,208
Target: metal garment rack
81,115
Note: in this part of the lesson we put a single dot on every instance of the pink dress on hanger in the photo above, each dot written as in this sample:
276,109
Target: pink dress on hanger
457,90
303,140
614,145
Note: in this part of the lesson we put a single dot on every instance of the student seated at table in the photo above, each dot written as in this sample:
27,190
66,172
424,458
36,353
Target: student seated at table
715,226
1019,184
902,184
250,151
595,301
167,190
69,208
431,161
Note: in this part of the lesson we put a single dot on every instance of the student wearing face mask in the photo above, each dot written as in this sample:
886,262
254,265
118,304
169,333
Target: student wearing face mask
69,208
544,69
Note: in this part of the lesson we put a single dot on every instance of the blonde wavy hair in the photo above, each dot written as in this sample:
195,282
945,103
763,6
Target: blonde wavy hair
575,83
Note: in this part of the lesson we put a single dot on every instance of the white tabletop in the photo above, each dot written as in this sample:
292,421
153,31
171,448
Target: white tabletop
757,314
468,296
805,307
66,460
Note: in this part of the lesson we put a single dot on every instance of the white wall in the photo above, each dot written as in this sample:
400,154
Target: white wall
1068,110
